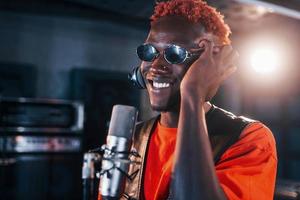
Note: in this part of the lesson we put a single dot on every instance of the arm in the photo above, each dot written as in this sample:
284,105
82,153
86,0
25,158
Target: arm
194,172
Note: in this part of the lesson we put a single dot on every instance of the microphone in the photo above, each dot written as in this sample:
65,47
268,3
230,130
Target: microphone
88,175
115,162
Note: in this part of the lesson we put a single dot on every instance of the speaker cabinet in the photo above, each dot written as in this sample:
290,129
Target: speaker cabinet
100,91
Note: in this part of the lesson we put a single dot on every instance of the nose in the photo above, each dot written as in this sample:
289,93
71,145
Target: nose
160,66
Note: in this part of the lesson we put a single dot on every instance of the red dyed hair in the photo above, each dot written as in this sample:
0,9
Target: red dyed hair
195,11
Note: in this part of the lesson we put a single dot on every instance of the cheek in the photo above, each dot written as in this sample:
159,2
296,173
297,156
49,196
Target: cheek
180,71
144,68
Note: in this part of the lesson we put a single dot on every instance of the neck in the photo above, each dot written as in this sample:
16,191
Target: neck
170,119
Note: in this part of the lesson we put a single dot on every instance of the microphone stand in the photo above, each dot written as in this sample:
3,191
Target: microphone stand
90,170
88,175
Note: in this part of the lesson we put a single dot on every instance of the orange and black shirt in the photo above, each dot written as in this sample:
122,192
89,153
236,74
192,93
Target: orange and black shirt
246,170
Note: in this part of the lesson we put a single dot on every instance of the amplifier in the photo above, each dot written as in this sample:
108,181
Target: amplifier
40,149
40,144
40,116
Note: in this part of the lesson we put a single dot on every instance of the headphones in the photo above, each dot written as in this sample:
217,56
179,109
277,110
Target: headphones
136,78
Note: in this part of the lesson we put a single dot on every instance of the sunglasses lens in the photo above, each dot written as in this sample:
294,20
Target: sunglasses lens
175,54
147,52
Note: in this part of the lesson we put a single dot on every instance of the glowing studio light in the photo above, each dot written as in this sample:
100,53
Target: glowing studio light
265,60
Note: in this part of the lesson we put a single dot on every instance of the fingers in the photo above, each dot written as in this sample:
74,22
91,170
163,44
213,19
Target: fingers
228,57
217,49
226,51
231,59
222,58
226,73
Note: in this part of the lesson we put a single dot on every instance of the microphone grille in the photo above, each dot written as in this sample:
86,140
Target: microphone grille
122,123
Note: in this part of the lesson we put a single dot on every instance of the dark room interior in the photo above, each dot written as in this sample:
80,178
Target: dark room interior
64,64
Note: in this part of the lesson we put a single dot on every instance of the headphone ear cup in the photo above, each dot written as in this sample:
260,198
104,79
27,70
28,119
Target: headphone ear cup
137,78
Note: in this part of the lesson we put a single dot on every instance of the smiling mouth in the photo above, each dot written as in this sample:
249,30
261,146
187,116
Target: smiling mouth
159,85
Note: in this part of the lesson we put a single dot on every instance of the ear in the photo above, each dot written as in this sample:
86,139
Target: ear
217,44
211,37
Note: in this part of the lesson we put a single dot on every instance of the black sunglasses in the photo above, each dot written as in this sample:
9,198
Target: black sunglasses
173,54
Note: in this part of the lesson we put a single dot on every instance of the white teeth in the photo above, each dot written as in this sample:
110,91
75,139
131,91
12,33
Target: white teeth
161,85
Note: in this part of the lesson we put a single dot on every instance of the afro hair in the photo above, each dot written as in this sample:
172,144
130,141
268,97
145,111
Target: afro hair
195,11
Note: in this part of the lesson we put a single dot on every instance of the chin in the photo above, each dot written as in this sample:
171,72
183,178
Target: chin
170,104
166,107
159,108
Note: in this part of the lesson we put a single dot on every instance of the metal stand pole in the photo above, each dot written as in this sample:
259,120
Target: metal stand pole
88,176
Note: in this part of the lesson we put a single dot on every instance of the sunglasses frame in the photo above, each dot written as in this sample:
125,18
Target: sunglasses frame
187,53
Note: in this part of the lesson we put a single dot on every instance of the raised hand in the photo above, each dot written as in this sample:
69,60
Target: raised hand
206,74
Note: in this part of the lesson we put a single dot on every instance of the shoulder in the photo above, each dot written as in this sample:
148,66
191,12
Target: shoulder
220,120
142,124
224,126
259,134
145,127
252,135
247,170
256,138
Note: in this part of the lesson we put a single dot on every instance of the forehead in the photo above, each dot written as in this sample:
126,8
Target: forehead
175,30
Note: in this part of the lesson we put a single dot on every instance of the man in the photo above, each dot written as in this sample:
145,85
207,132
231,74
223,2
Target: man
210,153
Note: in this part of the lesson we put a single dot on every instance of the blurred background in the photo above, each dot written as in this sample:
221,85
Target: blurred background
64,64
